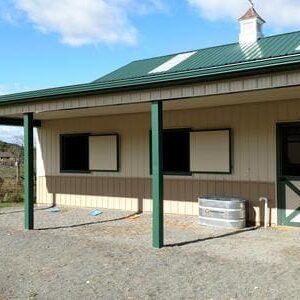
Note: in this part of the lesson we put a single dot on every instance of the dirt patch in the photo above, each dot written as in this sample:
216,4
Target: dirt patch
73,256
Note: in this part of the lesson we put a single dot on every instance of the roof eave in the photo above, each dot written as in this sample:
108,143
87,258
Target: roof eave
222,75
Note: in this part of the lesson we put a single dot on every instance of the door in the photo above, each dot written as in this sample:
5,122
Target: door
288,174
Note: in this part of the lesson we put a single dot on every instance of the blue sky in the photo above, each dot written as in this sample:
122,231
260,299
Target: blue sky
46,43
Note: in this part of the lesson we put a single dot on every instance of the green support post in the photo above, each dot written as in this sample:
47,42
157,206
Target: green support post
157,175
28,171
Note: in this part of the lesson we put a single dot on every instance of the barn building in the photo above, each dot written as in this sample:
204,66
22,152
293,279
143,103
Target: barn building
158,133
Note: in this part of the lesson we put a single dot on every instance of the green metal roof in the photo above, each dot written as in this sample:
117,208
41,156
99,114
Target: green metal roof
226,55
269,52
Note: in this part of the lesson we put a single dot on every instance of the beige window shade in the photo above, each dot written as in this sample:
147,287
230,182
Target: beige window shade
103,153
210,151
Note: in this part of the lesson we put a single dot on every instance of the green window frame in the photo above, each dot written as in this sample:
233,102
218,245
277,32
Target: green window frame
190,172
81,141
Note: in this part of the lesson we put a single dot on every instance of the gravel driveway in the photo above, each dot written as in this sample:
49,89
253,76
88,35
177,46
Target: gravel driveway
74,256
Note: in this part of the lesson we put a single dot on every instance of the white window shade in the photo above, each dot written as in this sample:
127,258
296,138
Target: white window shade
103,153
210,151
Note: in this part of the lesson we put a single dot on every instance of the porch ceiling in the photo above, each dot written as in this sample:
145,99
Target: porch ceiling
287,93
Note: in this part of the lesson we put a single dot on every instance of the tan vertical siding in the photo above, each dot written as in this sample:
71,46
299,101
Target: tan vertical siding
254,168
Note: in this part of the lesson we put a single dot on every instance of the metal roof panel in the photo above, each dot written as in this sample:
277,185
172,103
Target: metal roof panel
273,51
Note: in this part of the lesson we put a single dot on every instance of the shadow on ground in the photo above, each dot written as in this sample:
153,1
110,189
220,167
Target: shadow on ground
22,211
87,223
184,243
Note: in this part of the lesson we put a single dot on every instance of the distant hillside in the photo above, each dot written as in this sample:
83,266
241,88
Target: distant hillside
15,149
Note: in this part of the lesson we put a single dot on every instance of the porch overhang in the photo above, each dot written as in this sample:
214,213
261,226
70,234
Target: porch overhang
18,122
245,89
260,88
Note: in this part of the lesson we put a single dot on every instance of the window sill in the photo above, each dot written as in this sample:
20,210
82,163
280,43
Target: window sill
74,172
176,174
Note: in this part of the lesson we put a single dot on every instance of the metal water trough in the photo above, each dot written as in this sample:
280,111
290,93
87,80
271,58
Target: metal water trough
222,212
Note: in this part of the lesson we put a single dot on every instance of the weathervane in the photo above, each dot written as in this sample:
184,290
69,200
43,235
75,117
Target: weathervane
251,3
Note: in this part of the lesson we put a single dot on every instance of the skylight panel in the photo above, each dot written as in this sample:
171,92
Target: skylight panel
173,62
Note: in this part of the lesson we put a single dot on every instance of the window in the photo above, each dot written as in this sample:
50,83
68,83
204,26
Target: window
291,151
176,152
211,151
200,151
104,152
88,153
74,151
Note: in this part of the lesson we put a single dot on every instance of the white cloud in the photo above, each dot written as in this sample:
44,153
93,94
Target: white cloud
149,6
277,13
6,12
85,22
11,134
15,134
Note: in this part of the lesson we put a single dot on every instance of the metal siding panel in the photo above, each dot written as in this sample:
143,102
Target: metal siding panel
279,80
254,148
264,82
223,87
40,169
199,90
188,91
250,84
236,85
211,89
259,82
134,150
293,78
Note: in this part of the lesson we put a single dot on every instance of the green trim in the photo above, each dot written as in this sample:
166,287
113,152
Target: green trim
178,173
62,171
284,181
18,122
293,188
190,173
28,171
103,171
287,124
74,172
292,178
294,214
157,176
291,224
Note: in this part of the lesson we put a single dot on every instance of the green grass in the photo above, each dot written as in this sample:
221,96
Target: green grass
7,172
5,204
10,192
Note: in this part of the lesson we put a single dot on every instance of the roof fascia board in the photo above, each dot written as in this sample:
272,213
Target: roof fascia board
172,79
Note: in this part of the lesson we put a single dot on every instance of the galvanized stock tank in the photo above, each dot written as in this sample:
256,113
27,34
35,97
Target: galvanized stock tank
222,212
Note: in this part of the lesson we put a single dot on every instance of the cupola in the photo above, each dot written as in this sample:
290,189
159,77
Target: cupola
250,26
